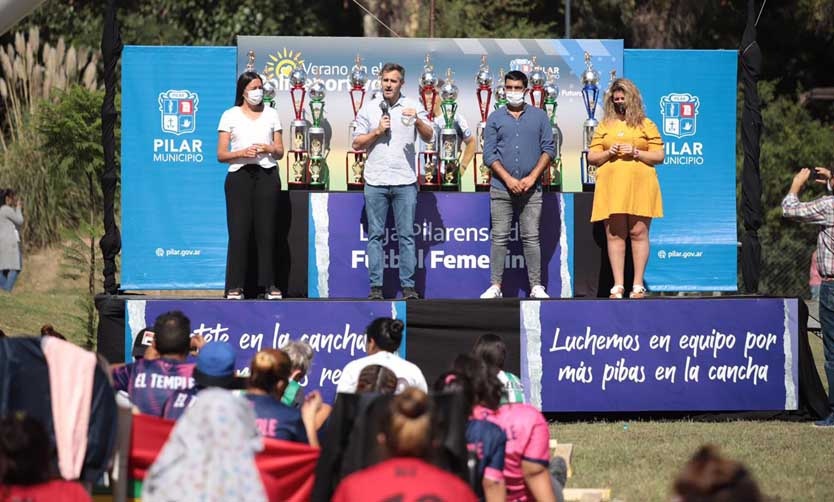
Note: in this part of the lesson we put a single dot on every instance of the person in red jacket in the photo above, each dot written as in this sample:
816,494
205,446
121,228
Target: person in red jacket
405,476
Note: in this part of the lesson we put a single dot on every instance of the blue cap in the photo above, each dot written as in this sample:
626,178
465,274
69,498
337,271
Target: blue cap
215,366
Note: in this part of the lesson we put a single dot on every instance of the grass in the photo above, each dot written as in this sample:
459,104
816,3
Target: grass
638,460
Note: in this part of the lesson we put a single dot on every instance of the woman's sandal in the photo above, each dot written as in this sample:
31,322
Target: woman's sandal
637,292
617,291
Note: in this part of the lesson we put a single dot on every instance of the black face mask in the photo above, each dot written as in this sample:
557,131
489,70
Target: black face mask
620,108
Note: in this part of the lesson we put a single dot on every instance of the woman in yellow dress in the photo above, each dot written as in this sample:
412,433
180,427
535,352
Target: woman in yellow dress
626,147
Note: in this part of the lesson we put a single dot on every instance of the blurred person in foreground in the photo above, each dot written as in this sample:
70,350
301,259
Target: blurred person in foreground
709,477
819,211
384,336
210,454
149,382
26,471
269,378
406,440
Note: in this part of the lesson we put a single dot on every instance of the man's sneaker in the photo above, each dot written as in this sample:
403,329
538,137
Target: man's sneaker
538,291
826,422
376,293
234,294
273,293
410,294
493,291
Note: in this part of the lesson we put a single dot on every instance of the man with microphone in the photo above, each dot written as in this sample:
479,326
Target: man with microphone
387,128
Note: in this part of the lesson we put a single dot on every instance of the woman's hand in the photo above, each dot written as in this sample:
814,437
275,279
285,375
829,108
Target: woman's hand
250,151
614,150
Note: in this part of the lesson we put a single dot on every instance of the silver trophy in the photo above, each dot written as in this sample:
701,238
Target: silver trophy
590,95
553,178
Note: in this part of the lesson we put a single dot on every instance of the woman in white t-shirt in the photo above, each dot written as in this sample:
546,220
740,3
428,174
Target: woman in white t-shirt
384,336
249,140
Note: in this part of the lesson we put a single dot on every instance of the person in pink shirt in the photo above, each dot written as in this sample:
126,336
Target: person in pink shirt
527,453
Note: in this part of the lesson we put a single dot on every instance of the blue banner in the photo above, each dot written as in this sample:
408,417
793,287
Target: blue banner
173,205
335,330
452,239
691,96
677,354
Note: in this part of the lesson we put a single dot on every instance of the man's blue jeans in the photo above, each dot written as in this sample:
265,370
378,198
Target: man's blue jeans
403,199
827,323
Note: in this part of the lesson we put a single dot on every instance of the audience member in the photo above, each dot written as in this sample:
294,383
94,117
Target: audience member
48,330
527,455
301,355
26,470
142,344
210,455
384,336
377,379
709,477
149,382
406,475
270,373
491,350
215,368
483,439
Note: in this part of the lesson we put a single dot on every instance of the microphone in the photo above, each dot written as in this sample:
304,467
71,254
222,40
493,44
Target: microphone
383,105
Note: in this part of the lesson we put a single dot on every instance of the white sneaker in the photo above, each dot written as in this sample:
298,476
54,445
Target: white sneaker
538,291
493,291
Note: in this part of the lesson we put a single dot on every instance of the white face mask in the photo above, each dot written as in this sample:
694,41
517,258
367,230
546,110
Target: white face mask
515,98
254,97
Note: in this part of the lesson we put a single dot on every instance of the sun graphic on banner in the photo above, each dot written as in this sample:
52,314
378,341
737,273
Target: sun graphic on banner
283,63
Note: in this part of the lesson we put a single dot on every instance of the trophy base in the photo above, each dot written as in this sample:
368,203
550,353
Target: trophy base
551,188
482,188
355,187
319,185
298,185
432,186
450,187
588,187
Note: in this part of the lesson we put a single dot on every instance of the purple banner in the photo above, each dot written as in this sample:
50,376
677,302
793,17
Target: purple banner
676,354
336,330
453,242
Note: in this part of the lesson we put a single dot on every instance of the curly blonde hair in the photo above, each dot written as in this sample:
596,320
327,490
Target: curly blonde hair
635,113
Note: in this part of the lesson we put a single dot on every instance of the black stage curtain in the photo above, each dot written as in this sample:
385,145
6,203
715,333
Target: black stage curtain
750,57
439,330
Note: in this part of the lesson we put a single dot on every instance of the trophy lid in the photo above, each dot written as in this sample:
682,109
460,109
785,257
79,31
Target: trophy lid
250,64
551,89
317,90
589,76
613,75
449,91
270,84
500,90
484,77
428,78
298,77
358,75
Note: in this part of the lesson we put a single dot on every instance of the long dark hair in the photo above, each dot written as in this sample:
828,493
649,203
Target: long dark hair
242,81
24,451
387,333
485,383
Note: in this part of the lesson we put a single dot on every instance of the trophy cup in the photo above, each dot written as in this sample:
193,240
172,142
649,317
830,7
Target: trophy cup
449,140
250,63
500,91
298,157
537,81
427,159
590,94
553,175
355,159
481,172
318,145
270,88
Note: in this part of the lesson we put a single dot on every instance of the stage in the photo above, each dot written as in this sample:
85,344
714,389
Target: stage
664,354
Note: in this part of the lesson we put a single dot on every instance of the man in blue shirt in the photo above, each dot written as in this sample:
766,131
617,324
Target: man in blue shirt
387,129
518,146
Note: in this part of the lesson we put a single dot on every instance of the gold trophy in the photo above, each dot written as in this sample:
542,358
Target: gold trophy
355,171
299,155
427,158
484,95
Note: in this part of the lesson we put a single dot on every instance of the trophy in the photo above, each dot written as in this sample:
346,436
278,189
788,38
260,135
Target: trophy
481,172
355,159
298,157
449,140
500,91
427,161
250,63
316,134
537,81
590,94
270,88
553,175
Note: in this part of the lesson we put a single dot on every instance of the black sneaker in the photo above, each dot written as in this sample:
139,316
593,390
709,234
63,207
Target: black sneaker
410,294
376,293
